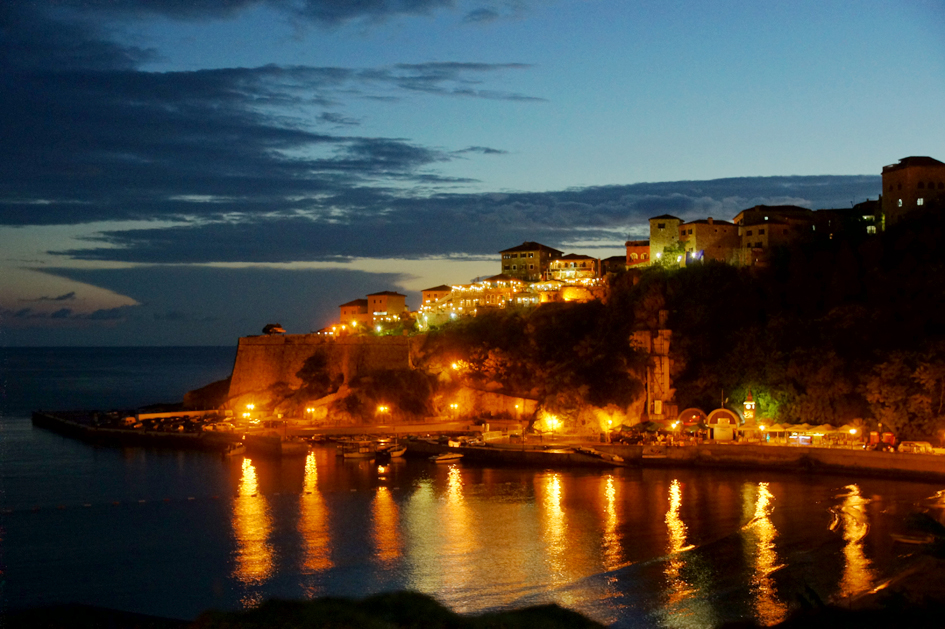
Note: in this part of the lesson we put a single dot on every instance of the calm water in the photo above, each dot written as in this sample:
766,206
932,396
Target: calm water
175,533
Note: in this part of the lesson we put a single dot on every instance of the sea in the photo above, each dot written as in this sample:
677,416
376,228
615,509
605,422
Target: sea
177,533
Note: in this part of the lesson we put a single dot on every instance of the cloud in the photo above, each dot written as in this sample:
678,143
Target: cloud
481,16
337,119
66,297
95,139
383,223
483,150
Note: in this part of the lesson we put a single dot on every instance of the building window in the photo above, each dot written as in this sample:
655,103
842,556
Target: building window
514,268
920,202
505,267
758,245
660,225
633,256
531,267
749,232
531,255
900,202
761,232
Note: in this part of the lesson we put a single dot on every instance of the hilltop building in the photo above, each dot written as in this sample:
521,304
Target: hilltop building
664,232
912,185
709,239
528,261
574,266
638,253
430,296
613,264
355,313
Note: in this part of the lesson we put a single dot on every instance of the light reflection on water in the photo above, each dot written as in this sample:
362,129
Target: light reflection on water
631,547
858,574
313,522
252,525
763,555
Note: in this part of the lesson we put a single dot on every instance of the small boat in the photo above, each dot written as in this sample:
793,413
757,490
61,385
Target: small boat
359,450
397,451
234,449
912,539
446,457
615,458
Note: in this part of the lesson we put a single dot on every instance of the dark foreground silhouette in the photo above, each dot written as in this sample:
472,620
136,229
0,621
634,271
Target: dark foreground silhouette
410,610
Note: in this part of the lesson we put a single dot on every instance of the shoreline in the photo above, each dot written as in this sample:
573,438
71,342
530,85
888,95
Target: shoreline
805,459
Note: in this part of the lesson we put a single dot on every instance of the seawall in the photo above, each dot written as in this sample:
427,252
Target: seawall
796,458
265,361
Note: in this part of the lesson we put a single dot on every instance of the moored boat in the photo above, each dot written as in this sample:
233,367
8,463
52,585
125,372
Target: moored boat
446,457
359,450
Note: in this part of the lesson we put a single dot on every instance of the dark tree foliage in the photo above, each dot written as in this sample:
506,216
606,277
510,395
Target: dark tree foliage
316,375
565,354
824,333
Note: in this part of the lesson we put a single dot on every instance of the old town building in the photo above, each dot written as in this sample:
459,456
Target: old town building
529,261
913,184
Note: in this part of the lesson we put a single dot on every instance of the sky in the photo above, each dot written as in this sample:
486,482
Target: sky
183,172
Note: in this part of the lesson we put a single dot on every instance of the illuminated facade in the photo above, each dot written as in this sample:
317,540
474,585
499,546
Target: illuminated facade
355,313
430,296
914,184
664,232
528,261
574,266
709,239
638,253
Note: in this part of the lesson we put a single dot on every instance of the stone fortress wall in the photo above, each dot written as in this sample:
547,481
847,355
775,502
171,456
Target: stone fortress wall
264,361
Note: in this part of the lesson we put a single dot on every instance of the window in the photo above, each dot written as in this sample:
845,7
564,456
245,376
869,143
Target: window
531,267
531,255
761,232
514,268
660,225
505,267
900,202
633,256
758,245
749,232
920,202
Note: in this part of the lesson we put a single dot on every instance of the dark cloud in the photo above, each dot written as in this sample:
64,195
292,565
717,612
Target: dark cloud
337,119
378,223
483,150
94,139
325,12
66,297
480,16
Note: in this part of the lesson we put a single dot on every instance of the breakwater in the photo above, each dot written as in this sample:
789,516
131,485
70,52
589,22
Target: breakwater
80,426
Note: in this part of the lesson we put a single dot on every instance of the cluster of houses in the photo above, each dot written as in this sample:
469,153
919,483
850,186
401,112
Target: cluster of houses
532,273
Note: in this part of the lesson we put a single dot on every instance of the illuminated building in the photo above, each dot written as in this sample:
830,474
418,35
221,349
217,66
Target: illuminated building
638,253
913,184
574,266
709,239
664,232
528,261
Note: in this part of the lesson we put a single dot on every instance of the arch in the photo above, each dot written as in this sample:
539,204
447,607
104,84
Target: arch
723,417
691,416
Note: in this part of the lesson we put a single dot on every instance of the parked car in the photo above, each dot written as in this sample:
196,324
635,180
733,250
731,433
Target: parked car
916,447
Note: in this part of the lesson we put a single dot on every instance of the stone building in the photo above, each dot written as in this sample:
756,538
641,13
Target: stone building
355,313
613,264
914,184
386,304
709,239
664,232
529,261
765,227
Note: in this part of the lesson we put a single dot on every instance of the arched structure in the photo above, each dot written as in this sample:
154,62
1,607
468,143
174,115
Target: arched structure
722,423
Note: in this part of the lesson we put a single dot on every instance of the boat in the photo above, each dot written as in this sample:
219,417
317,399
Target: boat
234,449
600,455
275,445
359,450
396,451
446,457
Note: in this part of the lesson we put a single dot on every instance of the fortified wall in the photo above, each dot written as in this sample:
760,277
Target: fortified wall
264,361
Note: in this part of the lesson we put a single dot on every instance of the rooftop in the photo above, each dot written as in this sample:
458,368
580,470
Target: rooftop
389,293
440,288
913,162
532,246
356,302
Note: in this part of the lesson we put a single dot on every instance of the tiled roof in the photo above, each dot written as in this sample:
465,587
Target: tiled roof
913,161
356,302
386,292
666,216
439,289
532,246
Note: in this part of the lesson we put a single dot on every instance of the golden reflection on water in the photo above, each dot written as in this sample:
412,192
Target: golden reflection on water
313,522
858,575
768,607
252,525
387,543
611,540
555,529
679,588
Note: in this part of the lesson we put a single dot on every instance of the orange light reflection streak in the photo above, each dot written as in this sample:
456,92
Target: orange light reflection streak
769,610
313,522
858,575
252,525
